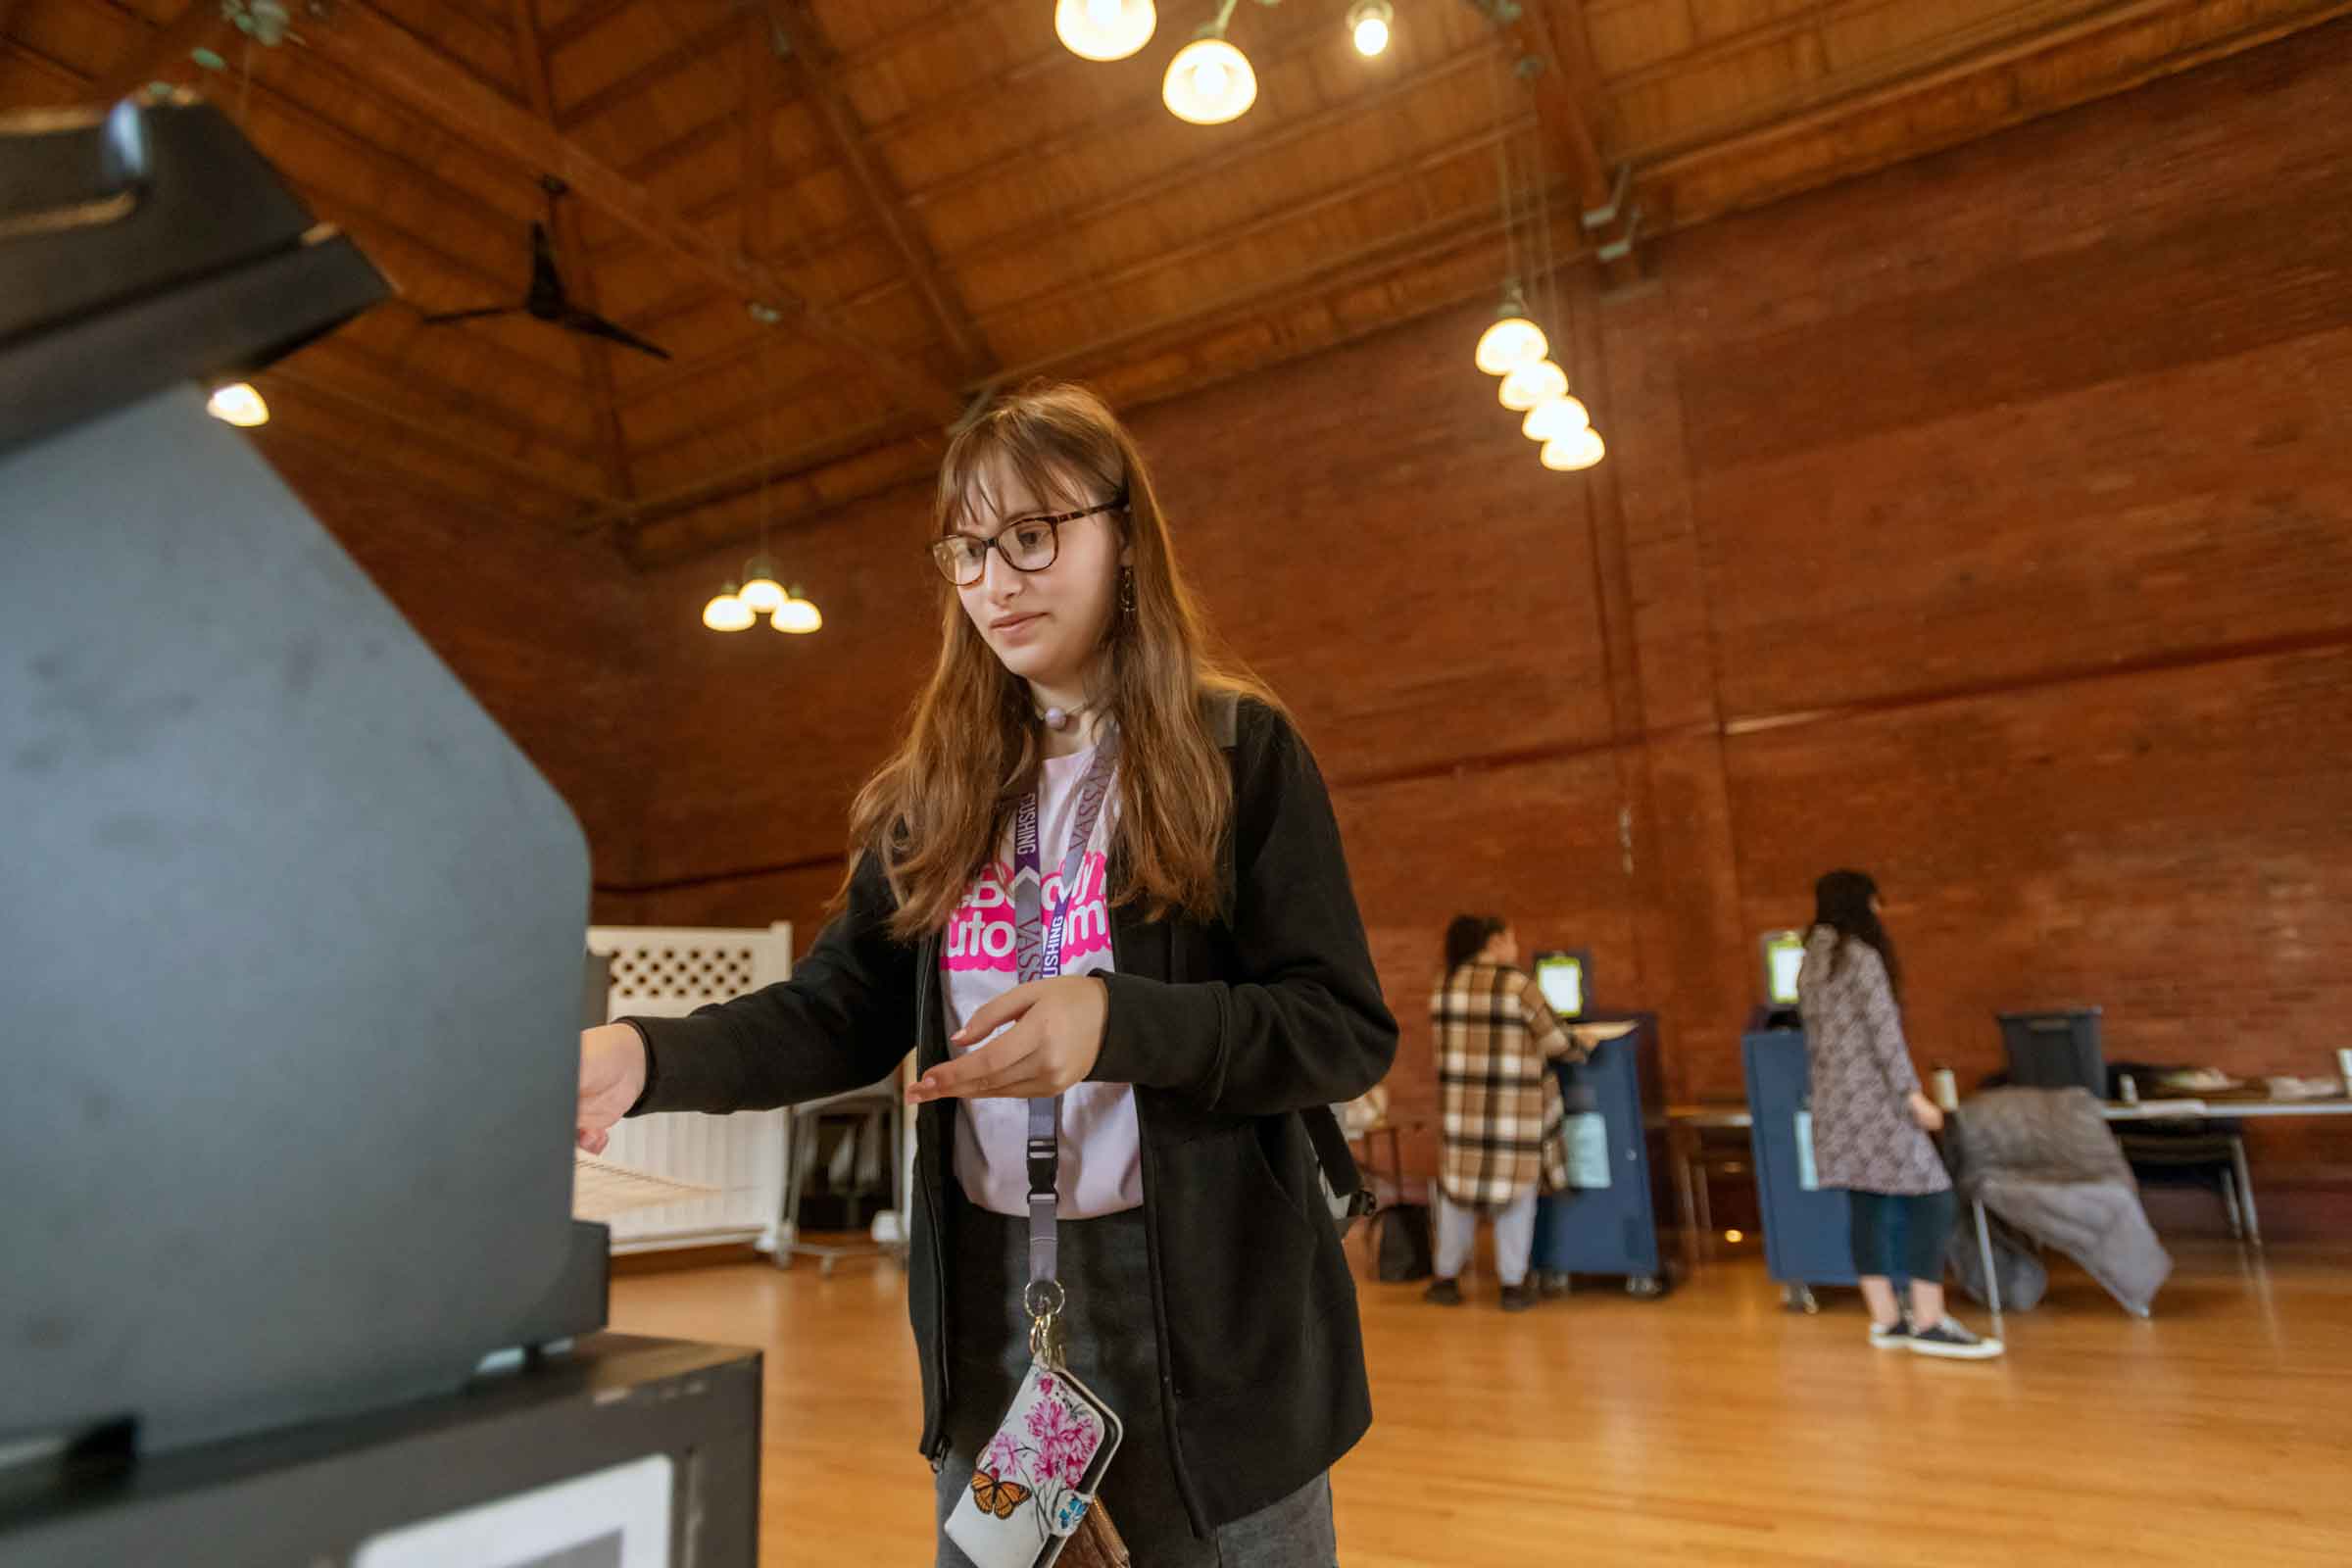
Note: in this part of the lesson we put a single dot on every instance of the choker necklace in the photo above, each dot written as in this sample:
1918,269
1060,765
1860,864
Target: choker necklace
1060,719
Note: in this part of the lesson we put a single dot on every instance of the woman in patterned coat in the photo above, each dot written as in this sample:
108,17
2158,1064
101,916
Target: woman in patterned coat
1503,1131
1871,1121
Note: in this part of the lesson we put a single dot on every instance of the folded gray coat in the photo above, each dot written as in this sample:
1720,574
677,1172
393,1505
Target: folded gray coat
2044,1161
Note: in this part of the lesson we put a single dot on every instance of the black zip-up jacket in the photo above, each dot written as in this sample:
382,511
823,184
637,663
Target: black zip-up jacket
1227,1030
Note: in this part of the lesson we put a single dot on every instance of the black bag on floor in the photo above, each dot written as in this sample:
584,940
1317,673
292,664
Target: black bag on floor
1403,1252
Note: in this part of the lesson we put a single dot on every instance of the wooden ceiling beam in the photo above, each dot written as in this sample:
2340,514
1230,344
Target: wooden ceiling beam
853,475
1094,284
571,257
1219,160
916,26
1942,59
684,145
869,461
716,205
288,376
814,67
742,411
1548,35
742,480
199,25
660,68
343,457
483,14
1744,40
394,371
1289,38
759,129
363,42
589,17
1439,236
677,375
1028,155
2174,40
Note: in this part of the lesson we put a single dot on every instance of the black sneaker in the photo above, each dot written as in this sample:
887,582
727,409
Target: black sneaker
1949,1341
1518,1298
1893,1336
1444,1293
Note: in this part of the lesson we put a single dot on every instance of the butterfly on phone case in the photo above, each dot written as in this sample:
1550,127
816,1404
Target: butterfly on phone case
999,1498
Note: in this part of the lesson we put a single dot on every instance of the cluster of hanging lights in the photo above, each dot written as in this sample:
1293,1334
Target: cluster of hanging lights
1211,81
739,605
1513,347
737,609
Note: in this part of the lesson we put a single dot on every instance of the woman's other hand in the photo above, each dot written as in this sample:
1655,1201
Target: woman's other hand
1057,1035
611,1077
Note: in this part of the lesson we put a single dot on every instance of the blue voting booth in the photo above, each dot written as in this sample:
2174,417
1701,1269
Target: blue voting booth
1805,1232
1606,1223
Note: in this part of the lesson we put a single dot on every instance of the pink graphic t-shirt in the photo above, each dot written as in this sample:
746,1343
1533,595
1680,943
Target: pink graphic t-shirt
1102,1160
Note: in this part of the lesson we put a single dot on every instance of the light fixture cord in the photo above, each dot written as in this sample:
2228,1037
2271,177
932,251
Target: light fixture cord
1502,169
767,437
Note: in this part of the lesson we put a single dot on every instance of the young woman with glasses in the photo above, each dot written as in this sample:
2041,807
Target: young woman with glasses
1203,979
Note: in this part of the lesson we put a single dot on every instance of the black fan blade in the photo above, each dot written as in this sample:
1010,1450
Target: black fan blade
472,315
545,284
596,326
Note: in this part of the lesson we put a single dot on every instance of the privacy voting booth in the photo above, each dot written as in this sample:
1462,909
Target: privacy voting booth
1806,1238
1607,1222
294,940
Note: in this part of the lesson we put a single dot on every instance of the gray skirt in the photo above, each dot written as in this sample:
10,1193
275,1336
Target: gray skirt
1109,1344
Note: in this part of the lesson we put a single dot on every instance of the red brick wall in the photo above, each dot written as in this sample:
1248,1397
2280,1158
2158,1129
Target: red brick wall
1985,522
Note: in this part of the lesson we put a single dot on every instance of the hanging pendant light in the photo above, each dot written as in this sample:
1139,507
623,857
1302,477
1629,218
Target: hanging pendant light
238,403
1511,341
1569,453
735,609
761,592
728,613
796,615
1209,82
1369,24
1531,384
1554,419
1104,29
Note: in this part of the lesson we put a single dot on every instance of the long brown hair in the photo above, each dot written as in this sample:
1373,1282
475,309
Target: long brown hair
937,810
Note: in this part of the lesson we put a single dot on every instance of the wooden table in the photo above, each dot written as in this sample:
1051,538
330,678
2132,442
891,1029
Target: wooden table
2226,1110
1682,1125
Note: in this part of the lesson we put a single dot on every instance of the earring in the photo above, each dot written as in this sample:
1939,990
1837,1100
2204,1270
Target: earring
1127,590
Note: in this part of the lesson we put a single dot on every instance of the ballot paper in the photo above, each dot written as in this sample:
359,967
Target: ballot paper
603,1187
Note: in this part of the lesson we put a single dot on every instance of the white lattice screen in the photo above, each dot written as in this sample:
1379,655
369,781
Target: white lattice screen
667,971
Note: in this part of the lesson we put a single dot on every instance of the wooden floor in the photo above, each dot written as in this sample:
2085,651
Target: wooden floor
1709,1428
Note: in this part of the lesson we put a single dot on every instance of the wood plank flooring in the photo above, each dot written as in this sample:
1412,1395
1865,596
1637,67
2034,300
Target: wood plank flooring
1708,1428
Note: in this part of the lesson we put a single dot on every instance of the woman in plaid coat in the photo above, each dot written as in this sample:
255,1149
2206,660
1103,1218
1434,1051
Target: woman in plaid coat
1501,1124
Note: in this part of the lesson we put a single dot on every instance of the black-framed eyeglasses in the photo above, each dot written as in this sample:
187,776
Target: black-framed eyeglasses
1027,544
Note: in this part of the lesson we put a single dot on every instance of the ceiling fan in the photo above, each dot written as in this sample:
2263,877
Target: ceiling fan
547,299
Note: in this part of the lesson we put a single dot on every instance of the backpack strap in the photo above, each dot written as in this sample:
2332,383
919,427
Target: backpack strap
1323,1129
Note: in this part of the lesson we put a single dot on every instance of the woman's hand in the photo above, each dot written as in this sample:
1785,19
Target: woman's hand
611,1077
1926,1112
1057,1035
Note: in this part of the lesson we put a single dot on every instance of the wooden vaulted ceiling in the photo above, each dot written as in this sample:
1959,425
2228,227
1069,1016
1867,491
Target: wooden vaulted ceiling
936,198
